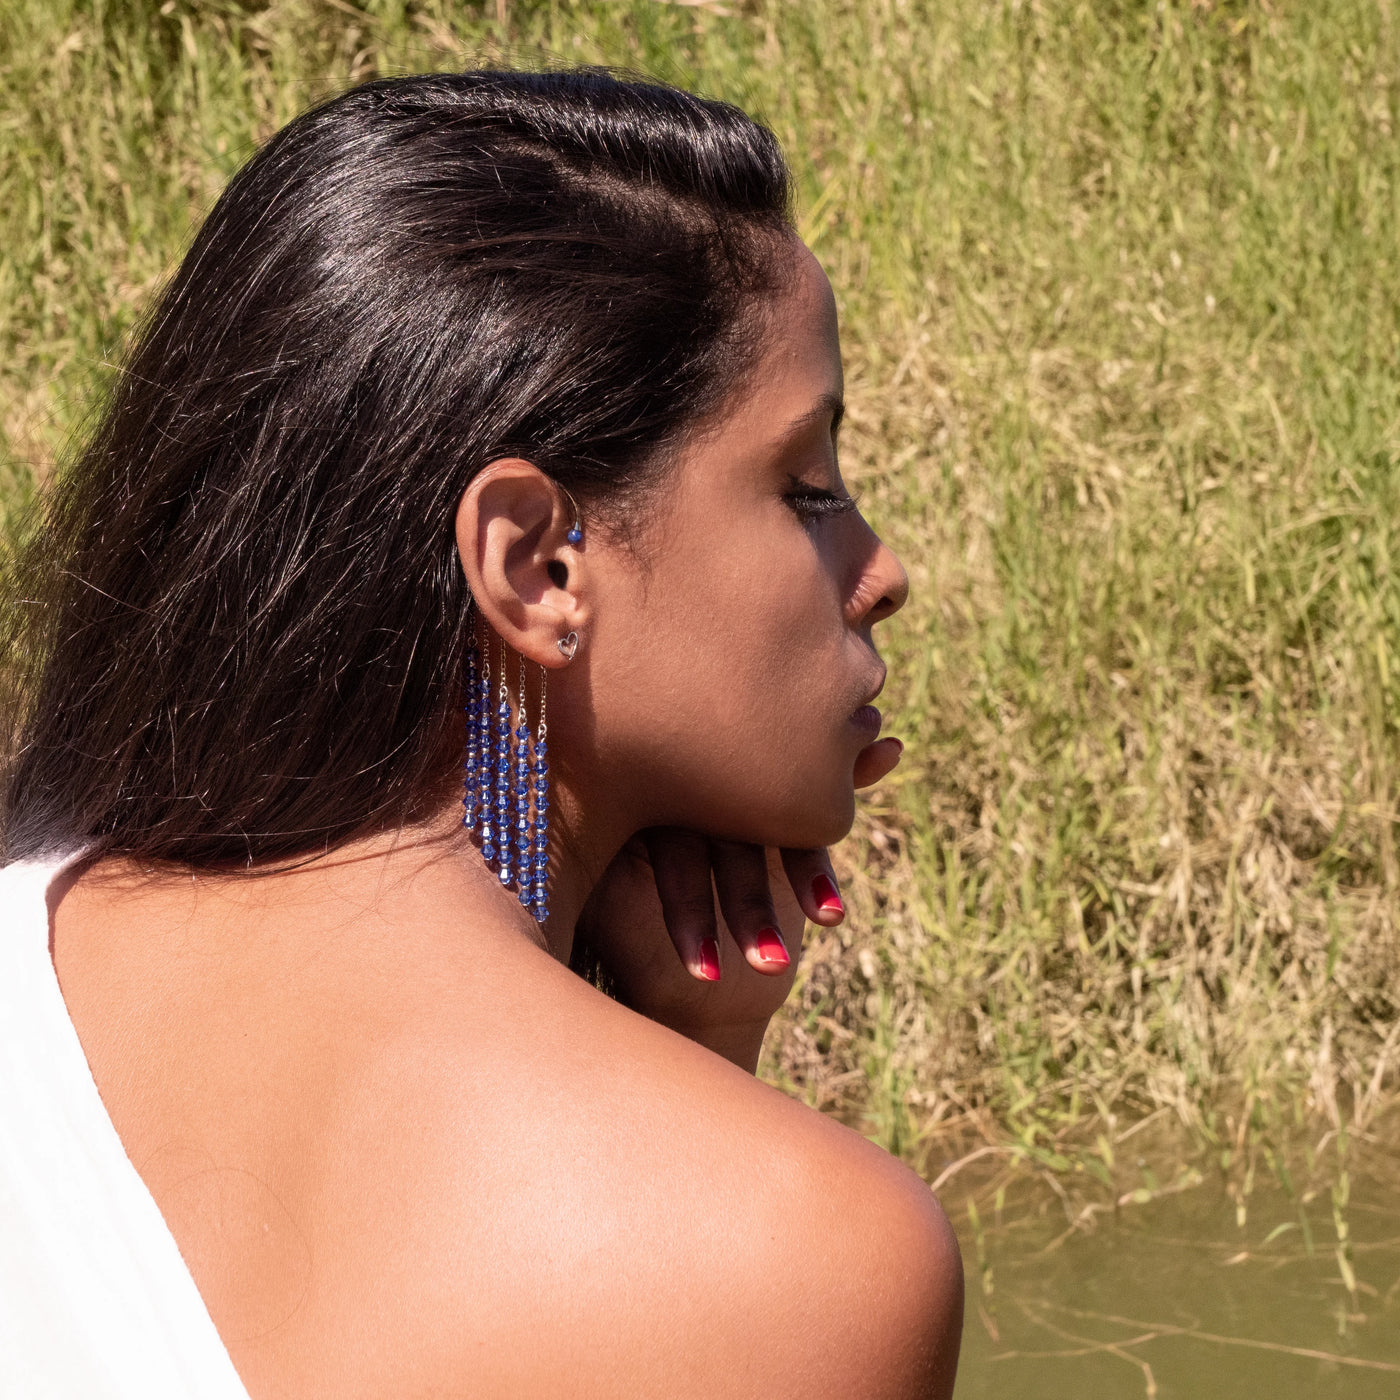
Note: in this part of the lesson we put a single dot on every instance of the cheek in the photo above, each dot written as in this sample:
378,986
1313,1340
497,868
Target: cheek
758,643
728,708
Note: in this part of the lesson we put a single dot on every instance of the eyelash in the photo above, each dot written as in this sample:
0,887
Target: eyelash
812,503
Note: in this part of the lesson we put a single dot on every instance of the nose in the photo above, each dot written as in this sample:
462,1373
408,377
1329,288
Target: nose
882,588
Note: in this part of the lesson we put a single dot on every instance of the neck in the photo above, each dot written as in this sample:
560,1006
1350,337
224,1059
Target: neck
580,851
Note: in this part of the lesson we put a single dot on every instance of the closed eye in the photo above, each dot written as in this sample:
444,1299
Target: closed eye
811,503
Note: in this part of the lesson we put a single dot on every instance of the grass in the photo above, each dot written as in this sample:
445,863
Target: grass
1121,296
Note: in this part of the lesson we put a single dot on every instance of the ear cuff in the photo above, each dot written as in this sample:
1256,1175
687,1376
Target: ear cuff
575,531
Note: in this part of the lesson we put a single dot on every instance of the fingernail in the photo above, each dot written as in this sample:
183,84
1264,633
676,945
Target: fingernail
825,893
898,742
709,959
770,946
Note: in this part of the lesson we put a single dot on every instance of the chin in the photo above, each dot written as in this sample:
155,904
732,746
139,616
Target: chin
821,821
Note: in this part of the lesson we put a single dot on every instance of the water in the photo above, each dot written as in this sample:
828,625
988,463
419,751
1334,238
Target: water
1174,1299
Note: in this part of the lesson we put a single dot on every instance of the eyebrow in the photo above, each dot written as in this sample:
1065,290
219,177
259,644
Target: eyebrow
829,405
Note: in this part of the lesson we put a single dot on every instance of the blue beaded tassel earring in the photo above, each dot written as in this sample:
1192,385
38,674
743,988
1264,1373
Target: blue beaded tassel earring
478,692
505,783
505,777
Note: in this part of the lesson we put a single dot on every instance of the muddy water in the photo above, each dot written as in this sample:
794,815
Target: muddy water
1174,1299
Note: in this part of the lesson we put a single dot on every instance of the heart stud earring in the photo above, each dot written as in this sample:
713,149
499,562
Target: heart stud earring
568,646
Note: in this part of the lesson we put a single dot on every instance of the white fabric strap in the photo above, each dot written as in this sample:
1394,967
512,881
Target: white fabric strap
95,1301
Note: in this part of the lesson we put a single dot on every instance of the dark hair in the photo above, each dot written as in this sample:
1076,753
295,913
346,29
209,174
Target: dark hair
245,622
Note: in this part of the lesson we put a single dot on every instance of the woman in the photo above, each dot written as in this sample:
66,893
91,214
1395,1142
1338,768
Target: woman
484,407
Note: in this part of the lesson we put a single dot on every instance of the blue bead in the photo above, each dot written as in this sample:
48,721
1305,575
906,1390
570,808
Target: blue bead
525,896
488,850
575,535
505,873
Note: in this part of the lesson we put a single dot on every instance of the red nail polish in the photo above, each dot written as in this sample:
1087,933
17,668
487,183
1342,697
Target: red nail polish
709,959
825,893
771,947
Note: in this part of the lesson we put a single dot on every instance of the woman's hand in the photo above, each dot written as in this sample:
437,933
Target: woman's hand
652,922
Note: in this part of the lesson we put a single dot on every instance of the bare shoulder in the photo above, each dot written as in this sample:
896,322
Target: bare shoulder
877,1265
607,1204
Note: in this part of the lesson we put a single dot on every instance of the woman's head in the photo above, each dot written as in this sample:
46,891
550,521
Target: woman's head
726,653
254,619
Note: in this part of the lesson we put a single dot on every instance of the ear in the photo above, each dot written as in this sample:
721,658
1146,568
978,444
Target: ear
528,580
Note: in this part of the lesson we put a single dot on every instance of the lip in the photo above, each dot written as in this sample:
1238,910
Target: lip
868,719
869,701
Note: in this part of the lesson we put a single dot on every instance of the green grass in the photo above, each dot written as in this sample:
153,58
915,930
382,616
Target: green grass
1121,296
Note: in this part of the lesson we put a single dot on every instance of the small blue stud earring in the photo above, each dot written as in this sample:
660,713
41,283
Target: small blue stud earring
575,534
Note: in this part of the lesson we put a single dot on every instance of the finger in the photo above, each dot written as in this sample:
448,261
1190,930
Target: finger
876,760
680,861
746,901
813,881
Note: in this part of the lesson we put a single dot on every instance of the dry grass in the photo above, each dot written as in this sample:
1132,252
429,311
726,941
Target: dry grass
1121,297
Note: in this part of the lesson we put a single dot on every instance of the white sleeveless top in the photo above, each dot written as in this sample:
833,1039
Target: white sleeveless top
95,1301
